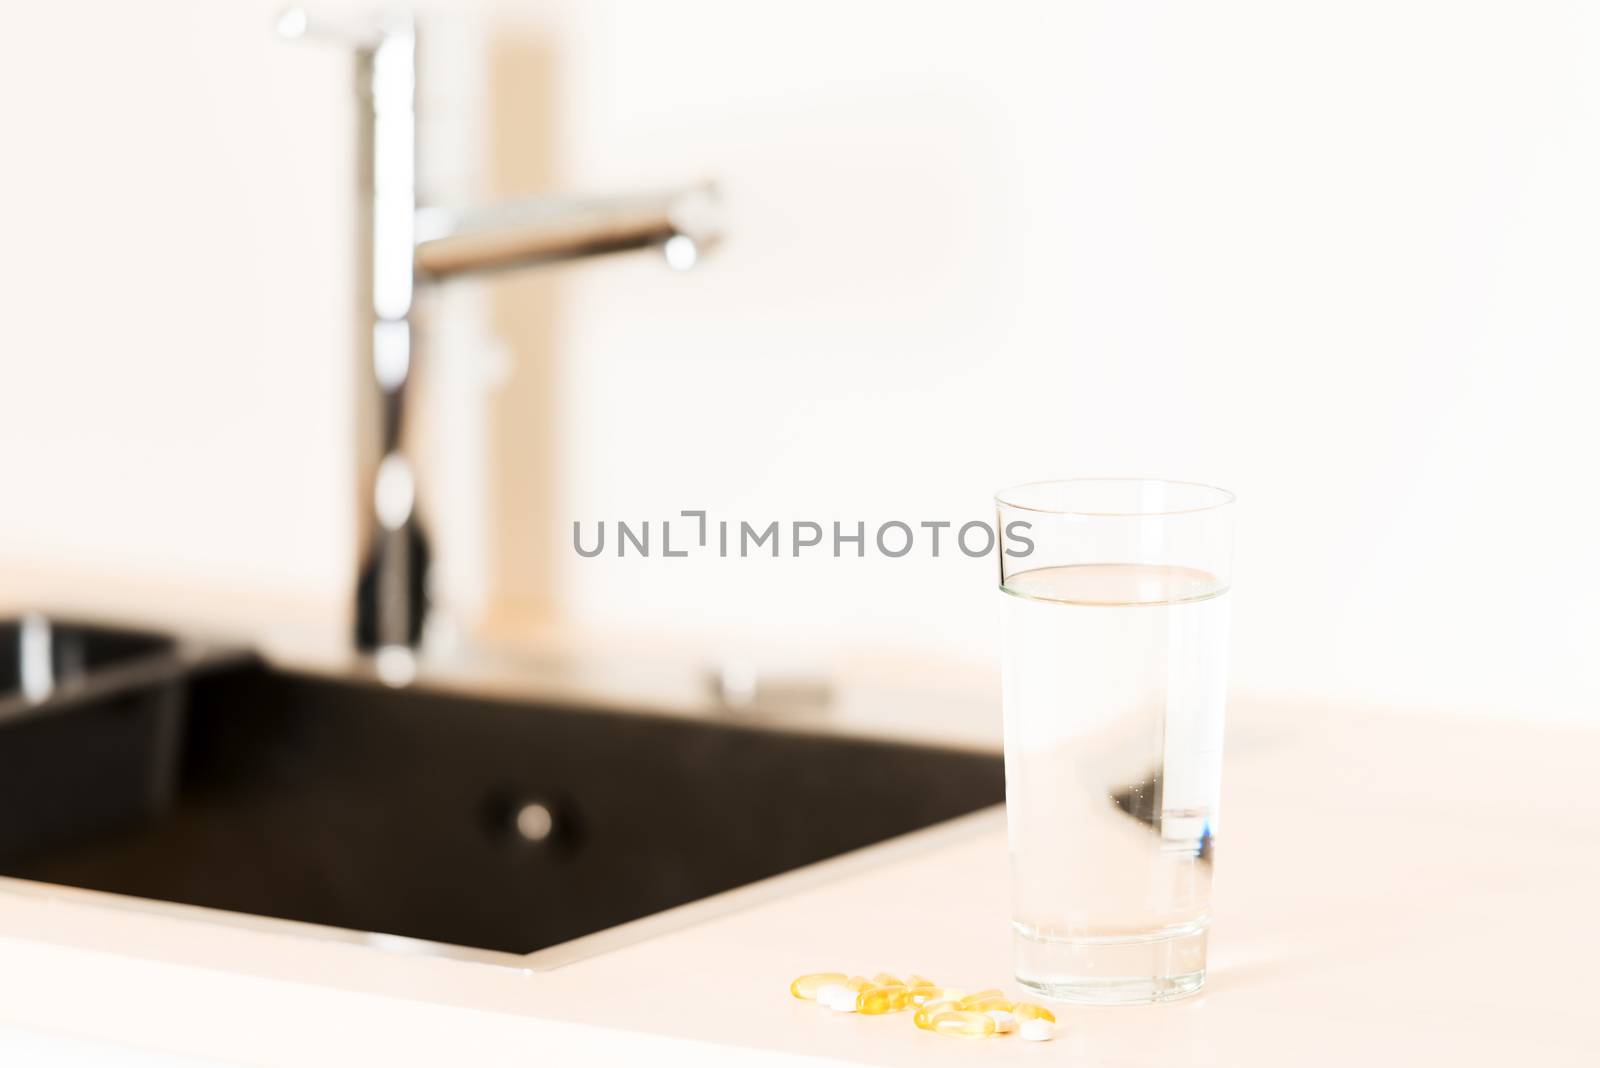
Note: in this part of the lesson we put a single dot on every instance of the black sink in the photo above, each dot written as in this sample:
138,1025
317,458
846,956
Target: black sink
480,822
64,655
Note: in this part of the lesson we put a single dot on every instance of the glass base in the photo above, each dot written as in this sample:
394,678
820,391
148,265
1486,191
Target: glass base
1125,970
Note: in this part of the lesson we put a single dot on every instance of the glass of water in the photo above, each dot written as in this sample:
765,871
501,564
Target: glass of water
1115,659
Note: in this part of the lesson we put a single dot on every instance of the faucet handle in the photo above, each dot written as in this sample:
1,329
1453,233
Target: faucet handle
364,33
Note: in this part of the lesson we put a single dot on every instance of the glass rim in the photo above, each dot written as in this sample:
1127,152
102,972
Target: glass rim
1224,497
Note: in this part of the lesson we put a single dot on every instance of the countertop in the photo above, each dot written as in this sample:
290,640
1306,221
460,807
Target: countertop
1391,888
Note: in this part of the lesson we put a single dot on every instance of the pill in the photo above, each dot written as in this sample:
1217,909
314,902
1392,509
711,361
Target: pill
963,1024
805,988
919,980
1027,1010
986,1004
923,995
885,979
882,999
1036,1029
925,1015
837,996
1004,1022
858,984
983,995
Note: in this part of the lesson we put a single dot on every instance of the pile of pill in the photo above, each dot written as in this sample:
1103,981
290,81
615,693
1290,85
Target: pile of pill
941,1009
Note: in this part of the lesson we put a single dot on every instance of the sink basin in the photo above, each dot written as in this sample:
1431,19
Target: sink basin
472,821
38,655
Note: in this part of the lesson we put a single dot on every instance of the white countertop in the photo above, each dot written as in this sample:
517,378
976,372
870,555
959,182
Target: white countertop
1389,889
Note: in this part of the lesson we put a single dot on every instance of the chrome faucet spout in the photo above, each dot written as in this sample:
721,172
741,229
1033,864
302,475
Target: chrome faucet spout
550,230
407,246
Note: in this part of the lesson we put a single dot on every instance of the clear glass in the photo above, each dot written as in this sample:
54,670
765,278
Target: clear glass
1116,636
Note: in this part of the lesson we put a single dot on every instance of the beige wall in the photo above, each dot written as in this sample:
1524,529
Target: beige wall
175,279
1340,260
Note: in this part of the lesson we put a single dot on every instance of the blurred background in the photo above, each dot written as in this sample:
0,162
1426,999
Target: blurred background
1340,260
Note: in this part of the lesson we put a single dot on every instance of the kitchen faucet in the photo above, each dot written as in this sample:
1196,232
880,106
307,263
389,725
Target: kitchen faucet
407,246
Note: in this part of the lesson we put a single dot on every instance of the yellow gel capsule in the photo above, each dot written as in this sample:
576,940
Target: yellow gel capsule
927,1013
964,1024
986,1005
881,999
885,979
805,988
923,995
858,984
983,995
919,980
1027,1010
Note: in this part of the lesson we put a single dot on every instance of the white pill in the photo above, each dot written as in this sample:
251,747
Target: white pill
838,997
1004,1022
1037,1030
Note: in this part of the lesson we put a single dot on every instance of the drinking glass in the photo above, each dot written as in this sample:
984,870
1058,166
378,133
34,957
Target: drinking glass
1116,636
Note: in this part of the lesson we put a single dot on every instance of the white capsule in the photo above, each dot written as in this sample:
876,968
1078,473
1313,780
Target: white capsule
1036,1030
1004,1022
838,997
